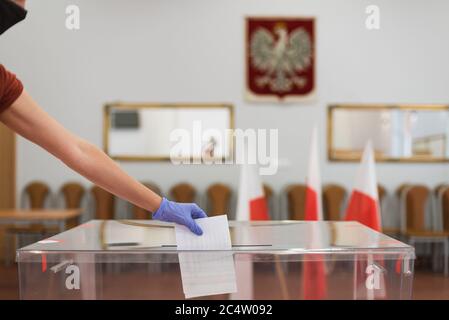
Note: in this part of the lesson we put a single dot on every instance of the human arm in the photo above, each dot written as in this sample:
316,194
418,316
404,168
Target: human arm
26,118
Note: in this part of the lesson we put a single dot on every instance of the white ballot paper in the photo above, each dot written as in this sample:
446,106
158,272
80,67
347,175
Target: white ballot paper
211,271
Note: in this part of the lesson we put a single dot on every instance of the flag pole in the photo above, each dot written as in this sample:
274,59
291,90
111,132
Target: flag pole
281,276
354,285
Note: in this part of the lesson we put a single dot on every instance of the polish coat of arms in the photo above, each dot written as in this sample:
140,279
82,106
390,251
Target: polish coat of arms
280,58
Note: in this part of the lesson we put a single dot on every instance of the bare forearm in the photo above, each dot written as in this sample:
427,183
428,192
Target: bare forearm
96,166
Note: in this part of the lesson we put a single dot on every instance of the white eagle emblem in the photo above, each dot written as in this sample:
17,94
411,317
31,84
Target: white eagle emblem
281,59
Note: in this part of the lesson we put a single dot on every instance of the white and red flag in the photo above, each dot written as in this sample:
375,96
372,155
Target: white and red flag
251,203
363,204
313,210
364,207
314,270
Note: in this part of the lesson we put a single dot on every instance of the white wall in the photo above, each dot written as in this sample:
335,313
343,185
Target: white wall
193,51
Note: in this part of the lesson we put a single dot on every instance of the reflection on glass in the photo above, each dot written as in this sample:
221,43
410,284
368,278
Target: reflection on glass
272,259
207,273
396,132
158,132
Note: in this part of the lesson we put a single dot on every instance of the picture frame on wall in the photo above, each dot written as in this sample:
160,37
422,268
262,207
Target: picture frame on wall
280,58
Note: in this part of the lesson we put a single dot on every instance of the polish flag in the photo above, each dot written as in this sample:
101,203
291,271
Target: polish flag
313,210
364,207
314,270
251,204
314,281
363,203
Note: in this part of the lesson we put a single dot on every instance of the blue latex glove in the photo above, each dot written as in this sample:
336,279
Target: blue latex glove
181,213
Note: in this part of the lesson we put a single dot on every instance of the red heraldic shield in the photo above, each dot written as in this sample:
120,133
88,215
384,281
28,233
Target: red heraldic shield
280,58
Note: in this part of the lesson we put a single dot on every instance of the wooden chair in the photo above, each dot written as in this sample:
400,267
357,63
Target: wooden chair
443,200
269,196
333,198
296,199
218,199
381,192
140,213
414,204
391,231
36,193
440,204
401,188
267,191
183,192
394,232
443,204
440,187
416,198
104,203
73,193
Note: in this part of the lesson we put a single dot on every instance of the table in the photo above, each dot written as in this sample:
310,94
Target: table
139,259
46,215
60,216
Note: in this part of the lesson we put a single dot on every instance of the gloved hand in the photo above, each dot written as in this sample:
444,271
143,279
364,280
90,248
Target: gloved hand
181,213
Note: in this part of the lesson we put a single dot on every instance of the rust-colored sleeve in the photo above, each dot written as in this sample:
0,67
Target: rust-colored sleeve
10,88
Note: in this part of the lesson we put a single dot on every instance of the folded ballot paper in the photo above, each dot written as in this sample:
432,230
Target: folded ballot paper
207,265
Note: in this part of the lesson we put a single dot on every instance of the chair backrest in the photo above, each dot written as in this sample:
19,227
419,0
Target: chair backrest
104,203
415,198
268,192
443,197
73,193
37,193
183,192
270,198
296,198
401,188
381,192
140,213
439,188
153,187
218,199
333,198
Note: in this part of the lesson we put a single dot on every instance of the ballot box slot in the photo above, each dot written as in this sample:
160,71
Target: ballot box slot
233,246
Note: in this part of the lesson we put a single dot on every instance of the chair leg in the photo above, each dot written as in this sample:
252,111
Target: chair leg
17,245
8,249
434,249
446,257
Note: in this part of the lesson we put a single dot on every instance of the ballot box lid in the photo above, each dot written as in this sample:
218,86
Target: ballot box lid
149,240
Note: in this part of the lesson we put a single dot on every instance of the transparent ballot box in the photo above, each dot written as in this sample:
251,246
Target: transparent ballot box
138,259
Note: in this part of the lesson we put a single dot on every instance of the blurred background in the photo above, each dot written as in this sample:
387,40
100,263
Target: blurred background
132,58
